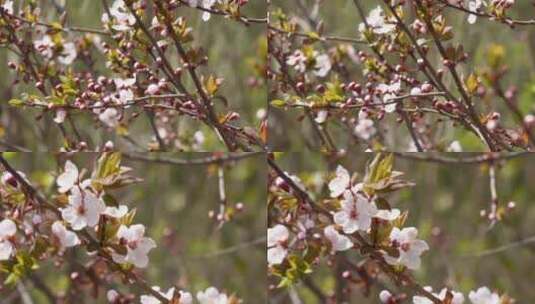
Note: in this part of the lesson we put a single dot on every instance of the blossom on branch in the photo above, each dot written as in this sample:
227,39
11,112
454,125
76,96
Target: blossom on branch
8,229
277,238
410,248
137,245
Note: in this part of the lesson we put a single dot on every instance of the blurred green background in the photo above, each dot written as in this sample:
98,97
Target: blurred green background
235,53
173,203
341,18
445,206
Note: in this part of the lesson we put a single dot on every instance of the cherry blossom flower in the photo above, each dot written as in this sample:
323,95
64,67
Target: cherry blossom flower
68,178
473,6
455,146
8,6
125,20
137,245
8,229
110,117
484,296
44,46
339,241
124,83
365,127
356,213
124,90
68,53
282,183
185,297
321,116
207,4
212,296
66,238
116,212
277,237
60,116
84,209
409,248
112,295
297,60
377,22
458,298
322,66
385,296
388,215
389,93
340,183
152,89
8,179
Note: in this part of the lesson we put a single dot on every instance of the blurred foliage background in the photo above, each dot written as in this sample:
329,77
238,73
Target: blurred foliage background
341,18
445,206
173,203
236,53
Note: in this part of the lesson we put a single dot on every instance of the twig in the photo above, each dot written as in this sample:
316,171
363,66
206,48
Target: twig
215,158
472,160
501,249
230,250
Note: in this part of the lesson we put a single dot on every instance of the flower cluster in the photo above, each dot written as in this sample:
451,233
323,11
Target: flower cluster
483,295
126,68
356,216
403,65
83,214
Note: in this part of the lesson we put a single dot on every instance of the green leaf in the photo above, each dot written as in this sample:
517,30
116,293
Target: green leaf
471,83
279,103
108,164
15,102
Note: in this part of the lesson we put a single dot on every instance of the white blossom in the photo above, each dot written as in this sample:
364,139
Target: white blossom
8,229
321,116
377,22
124,83
207,4
409,247
340,183
152,89
458,298
484,296
110,117
365,128
66,238
277,237
212,296
297,60
339,241
455,146
385,296
8,6
322,66
44,46
473,6
125,20
356,213
8,179
68,54
84,209
112,295
137,245
185,297
60,116
68,178
388,215
116,212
